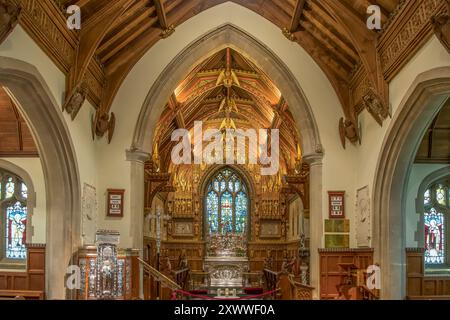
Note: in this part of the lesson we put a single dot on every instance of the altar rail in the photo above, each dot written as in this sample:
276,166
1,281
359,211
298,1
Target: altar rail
158,286
422,286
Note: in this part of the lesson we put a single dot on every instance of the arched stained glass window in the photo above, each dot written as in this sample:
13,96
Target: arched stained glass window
227,203
436,215
13,209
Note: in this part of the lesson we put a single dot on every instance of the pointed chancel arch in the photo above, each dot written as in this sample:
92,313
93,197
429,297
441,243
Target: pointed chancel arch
59,163
245,44
227,36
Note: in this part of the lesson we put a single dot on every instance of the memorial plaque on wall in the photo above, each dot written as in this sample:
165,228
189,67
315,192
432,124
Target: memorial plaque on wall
115,202
336,204
337,241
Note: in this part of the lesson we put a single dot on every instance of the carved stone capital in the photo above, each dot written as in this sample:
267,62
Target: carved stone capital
441,27
137,155
9,17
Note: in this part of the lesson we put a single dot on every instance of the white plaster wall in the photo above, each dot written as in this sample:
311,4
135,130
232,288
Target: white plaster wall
20,46
338,169
33,167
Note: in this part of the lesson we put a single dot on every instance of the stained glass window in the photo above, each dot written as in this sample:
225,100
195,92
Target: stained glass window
227,203
24,191
440,195
15,231
9,189
436,211
226,212
434,237
241,211
13,214
212,208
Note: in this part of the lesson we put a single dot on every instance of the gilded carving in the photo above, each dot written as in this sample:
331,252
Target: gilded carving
167,32
288,34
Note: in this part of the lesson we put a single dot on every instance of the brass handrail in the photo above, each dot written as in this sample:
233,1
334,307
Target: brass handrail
160,277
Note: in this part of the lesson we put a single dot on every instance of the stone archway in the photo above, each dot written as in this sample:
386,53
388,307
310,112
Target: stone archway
59,165
422,102
229,36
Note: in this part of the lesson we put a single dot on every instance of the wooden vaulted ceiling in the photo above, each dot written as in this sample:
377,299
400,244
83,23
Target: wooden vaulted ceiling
118,33
202,96
15,136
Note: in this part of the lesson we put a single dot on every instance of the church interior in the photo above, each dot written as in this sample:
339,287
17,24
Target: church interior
212,149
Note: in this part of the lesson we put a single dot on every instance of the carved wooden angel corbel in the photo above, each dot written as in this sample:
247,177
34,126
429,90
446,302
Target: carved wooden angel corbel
441,26
9,17
349,130
103,123
76,99
374,104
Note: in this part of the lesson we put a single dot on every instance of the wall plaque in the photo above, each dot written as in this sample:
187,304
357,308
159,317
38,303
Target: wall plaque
115,202
336,204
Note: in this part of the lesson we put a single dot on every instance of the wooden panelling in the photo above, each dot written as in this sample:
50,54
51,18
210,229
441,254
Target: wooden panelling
419,284
33,278
330,272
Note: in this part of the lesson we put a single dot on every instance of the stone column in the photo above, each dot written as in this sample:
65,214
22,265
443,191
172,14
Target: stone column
137,158
315,219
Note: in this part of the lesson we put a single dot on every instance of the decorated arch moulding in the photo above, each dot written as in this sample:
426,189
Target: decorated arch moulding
422,102
227,36
59,163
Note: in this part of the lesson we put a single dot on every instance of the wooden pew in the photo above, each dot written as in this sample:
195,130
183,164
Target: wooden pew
271,281
293,290
21,295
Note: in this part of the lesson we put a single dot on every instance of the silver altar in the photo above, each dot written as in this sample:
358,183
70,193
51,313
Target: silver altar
226,260
226,271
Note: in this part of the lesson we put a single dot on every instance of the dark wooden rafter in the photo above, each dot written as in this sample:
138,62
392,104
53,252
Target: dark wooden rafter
161,13
365,42
298,12
92,33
